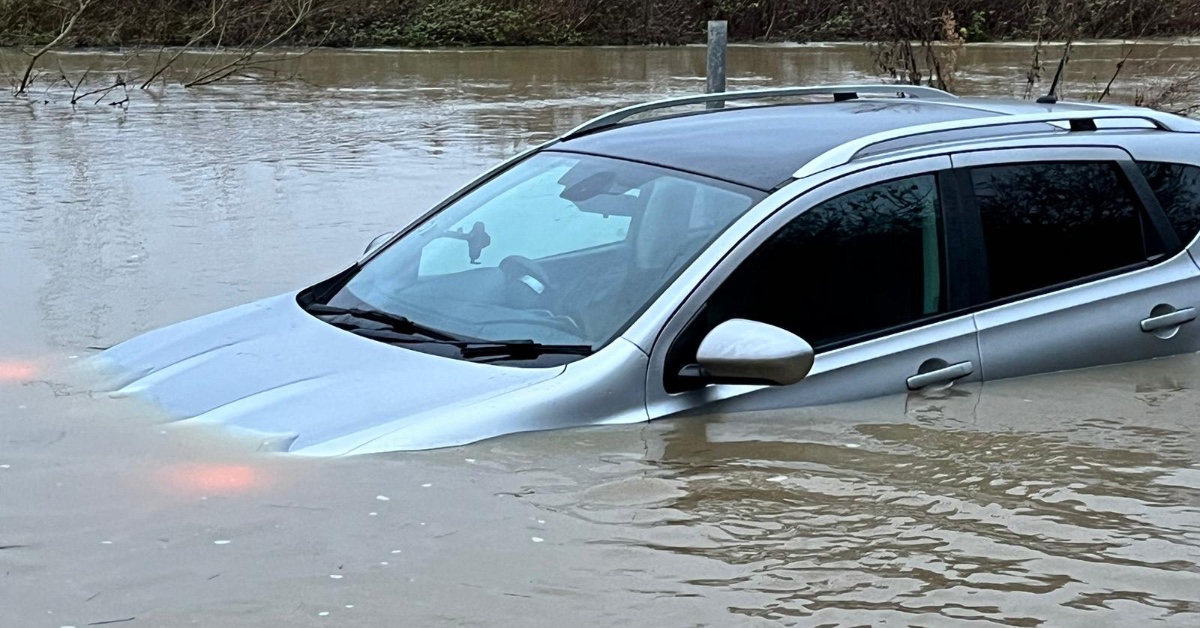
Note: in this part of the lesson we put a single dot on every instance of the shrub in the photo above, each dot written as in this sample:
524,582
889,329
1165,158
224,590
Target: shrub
482,22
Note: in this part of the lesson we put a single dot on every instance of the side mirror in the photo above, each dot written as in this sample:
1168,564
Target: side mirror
739,351
379,241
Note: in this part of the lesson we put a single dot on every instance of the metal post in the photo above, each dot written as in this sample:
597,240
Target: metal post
718,37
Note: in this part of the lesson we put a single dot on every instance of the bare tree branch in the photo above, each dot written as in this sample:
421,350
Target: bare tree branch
302,11
1121,64
68,26
74,87
217,7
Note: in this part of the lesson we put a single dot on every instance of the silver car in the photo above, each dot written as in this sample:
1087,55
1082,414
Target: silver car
789,247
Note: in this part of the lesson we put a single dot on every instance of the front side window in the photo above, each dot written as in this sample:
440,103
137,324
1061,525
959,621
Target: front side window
1177,187
854,266
561,249
1046,224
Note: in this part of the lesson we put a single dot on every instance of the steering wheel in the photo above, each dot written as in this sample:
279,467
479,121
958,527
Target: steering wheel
529,287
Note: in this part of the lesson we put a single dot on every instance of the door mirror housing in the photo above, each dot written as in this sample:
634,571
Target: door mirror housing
379,241
740,351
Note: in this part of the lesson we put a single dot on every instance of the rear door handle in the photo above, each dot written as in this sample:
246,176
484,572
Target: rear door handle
1174,319
940,376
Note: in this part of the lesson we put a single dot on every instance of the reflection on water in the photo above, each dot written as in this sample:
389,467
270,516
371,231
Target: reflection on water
964,505
1064,500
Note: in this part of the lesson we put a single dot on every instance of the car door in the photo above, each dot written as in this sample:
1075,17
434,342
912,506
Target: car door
858,267
1076,264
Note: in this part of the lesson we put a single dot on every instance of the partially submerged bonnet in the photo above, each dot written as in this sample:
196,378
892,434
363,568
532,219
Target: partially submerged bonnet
270,372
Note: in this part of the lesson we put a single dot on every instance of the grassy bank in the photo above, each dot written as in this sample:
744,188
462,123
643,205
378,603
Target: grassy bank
575,22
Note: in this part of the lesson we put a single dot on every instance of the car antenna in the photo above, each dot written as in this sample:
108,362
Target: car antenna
1052,97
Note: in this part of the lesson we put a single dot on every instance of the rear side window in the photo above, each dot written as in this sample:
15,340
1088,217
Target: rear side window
1177,187
1052,223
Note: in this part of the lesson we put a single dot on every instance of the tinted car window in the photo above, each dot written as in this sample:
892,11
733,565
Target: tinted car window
863,262
1177,187
1052,223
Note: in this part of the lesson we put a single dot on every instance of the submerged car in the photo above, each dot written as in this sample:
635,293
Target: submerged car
788,247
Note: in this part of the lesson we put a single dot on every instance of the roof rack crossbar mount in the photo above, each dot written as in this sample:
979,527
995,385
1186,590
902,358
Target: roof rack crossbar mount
616,117
1077,120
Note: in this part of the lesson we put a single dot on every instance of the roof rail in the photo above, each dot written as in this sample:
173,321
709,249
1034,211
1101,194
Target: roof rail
837,91
1078,121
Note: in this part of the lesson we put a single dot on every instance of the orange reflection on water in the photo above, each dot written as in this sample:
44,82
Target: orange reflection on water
17,371
214,479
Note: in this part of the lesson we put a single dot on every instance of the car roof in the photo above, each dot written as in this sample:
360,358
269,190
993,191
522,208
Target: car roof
762,146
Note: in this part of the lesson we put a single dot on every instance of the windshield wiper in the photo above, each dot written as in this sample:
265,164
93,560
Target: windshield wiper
397,327
472,349
520,349
393,322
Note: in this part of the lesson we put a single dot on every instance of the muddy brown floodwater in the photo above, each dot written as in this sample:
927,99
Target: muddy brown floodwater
1064,500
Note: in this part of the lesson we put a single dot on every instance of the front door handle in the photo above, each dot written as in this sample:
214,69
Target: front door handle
940,376
1174,319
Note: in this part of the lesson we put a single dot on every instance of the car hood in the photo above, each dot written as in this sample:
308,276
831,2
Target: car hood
270,371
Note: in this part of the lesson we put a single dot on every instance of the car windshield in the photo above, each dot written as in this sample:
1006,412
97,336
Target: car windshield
560,249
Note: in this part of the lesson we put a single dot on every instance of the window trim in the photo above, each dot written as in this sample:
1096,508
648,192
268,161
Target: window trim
963,230
972,238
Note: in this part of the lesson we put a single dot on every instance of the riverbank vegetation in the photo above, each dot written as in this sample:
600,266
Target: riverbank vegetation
912,41
112,23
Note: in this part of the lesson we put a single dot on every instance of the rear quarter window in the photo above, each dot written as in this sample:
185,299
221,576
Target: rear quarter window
1177,187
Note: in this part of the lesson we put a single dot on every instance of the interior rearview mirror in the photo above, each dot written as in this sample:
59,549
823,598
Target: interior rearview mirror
379,241
739,351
